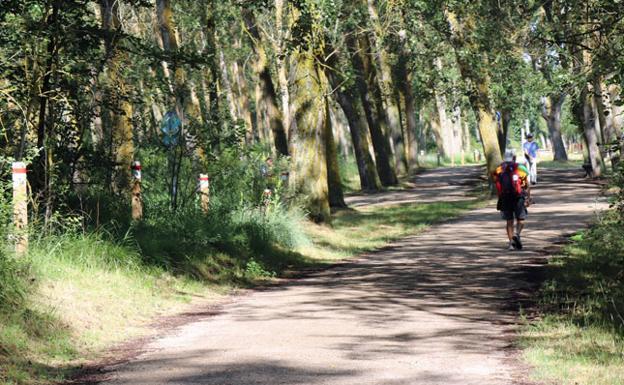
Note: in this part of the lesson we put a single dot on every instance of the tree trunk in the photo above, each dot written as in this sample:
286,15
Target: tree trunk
617,114
243,104
334,182
585,113
282,61
121,112
443,126
309,140
348,101
365,78
387,88
503,133
551,112
268,96
411,123
479,95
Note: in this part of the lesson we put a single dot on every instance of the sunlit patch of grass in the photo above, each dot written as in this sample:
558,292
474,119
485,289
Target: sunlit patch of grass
571,354
579,338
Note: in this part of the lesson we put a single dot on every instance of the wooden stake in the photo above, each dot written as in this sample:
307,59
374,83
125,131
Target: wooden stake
137,202
20,208
204,190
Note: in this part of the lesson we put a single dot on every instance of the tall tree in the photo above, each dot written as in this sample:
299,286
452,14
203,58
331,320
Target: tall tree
120,108
347,96
268,95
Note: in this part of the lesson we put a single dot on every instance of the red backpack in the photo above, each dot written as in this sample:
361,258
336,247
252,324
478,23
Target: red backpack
508,182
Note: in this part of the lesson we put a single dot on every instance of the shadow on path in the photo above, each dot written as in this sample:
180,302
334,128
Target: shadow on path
435,309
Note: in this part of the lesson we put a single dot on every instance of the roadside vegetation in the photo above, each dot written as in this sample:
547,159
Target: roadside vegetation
578,337
80,291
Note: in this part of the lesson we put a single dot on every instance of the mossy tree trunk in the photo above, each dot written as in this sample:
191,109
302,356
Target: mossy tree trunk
551,112
267,94
308,145
473,66
586,114
334,182
410,115
348,98
366,81
387,89
118,95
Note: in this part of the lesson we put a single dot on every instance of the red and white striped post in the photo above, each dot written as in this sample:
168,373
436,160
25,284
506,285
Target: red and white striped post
20,207
204,190
137,201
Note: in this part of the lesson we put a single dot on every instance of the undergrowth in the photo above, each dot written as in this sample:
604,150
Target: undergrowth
579,336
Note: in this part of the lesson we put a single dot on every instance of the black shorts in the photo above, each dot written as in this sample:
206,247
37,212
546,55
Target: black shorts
511,208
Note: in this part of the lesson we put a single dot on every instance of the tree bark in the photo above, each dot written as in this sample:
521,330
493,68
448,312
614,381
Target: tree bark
586,115
308,148
503,133
479,95
366,81
268,96
121,113
243,104
551,112
334,182
411,123
348,101
617,114
387,89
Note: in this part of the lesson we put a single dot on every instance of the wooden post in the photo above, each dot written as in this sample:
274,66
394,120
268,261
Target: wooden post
266,199
204,190
137,202
20,207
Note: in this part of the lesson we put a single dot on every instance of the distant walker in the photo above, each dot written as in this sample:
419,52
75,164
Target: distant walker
514,196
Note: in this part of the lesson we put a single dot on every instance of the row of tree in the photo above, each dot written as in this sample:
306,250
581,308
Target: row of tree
86,85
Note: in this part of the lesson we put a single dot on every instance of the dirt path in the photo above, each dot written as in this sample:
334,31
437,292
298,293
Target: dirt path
437,308
443,184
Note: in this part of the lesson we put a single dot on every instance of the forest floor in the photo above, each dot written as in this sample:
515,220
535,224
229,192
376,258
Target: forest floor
441,307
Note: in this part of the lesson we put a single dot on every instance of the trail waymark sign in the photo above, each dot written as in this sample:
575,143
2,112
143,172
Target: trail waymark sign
170,127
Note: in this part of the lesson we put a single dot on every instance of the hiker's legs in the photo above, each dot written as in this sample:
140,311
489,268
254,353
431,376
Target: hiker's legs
510,229
533,171
519,226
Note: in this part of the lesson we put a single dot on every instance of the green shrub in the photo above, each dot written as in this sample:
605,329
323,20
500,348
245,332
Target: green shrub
14,283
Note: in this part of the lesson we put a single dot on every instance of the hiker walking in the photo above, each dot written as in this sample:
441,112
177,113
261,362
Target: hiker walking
514,196
530,148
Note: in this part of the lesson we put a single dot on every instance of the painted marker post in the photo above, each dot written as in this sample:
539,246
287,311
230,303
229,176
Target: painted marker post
20,208
204,190
266,199
137,202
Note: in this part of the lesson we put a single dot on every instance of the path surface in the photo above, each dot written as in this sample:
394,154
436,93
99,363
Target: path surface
443,184
433,309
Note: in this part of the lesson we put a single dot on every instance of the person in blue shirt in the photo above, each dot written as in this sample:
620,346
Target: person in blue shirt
530,148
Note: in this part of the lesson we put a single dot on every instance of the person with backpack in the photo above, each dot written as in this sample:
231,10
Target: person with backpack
514,196
530,148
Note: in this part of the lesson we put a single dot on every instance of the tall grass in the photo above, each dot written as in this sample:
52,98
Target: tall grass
579,336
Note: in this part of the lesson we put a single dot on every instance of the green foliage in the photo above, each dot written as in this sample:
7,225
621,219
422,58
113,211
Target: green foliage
15,284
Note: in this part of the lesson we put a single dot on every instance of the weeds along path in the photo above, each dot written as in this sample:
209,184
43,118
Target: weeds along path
437,308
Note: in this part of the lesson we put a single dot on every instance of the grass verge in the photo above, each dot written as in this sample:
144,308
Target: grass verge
579,336
88,292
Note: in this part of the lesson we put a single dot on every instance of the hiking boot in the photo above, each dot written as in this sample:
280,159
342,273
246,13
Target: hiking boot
511,246
517,242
